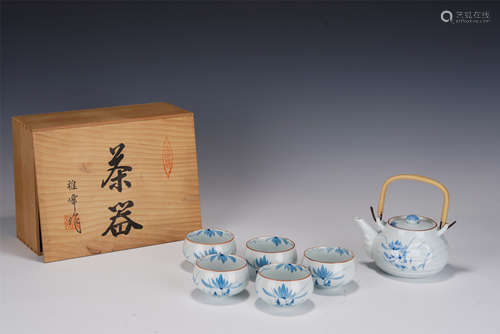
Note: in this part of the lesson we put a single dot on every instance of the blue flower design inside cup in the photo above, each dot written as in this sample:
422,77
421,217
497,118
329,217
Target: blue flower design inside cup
330,267
221,275
262,251
284,284
206,242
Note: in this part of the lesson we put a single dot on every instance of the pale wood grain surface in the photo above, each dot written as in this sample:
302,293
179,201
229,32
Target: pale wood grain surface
84,117
167,208
52,149
28,229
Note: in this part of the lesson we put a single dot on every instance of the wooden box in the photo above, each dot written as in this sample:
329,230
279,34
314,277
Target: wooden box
100,180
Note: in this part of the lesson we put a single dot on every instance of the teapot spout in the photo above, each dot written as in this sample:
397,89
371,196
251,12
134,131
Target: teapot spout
369,234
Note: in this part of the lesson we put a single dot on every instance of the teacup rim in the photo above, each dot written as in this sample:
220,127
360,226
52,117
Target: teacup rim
330,262
222,271
270,236
210,243
283,280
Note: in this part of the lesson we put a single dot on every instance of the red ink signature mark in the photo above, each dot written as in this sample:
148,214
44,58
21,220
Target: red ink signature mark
72,222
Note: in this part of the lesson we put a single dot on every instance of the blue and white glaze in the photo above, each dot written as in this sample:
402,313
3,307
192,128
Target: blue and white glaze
220,286
411,256
208,241
406,246
277,241
330,267
262,251
206,252
284,284
221,275
412,223
259,262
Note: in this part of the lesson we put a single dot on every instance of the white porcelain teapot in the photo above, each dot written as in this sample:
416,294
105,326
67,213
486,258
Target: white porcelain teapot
409,246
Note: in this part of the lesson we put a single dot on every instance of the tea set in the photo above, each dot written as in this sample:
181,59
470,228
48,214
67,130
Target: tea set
409,246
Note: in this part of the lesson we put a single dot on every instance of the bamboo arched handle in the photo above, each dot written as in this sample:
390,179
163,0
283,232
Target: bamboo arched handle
446,202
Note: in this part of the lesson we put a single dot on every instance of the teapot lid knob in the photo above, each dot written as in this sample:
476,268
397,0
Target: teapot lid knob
412,219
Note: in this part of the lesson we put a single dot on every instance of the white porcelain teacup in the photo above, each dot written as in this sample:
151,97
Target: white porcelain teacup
261,251
330,267
284,284
221,275
208,241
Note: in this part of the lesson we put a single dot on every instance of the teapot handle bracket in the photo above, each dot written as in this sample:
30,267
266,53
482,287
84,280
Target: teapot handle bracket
373,214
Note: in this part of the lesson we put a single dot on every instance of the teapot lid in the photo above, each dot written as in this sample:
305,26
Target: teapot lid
412,223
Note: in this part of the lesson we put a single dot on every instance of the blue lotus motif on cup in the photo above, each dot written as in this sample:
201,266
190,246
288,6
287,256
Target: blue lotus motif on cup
342,251
209,233
278,241
401,256
221,257
324,277
220,286
283,296
262,261
289,267
338,250
259,262
210,251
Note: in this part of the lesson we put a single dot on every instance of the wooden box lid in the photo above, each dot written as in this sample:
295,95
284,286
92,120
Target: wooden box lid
85,117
